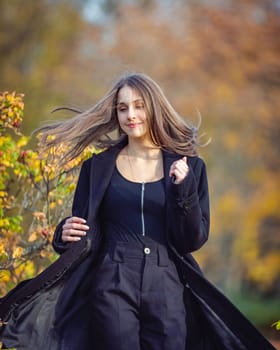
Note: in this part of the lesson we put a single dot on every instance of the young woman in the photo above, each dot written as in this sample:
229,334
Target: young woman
126,278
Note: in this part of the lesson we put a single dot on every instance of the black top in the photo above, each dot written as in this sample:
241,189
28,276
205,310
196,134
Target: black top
133,211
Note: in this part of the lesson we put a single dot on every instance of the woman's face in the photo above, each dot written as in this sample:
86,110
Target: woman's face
132,114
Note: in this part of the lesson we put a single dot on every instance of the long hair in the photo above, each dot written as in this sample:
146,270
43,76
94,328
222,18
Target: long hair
168,130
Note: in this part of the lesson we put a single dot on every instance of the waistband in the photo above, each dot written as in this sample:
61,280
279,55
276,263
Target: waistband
122,251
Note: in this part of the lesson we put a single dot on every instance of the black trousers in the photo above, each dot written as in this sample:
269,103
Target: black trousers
137,300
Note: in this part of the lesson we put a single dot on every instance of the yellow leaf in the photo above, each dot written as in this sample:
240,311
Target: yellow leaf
43,254
33,237
52,205
72,187
4,276
22,141
17,252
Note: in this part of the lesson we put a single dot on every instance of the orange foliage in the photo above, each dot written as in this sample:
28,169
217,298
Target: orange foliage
222,59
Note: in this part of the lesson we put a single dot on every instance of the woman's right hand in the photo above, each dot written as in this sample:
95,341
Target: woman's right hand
74,229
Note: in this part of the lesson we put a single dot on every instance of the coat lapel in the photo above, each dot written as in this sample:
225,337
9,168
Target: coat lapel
102,169
168,159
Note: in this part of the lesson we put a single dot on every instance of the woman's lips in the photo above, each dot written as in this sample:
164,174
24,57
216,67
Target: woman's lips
133,125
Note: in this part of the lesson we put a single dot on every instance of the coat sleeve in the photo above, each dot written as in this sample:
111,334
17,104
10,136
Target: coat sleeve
189,206
79,206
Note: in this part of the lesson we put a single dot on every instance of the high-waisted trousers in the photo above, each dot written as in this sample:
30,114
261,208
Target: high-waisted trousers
137,300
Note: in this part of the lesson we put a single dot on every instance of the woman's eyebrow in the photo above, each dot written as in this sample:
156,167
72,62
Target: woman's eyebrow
134,101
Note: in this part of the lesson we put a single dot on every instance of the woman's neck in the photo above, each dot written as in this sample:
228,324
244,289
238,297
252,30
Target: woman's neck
142,149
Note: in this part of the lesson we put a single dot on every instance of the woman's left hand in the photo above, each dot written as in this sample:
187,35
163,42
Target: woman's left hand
179,169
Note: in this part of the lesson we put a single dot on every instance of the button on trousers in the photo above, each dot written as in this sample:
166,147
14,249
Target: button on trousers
137,300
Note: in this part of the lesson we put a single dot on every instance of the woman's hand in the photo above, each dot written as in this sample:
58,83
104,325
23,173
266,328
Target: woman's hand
74,229
179,169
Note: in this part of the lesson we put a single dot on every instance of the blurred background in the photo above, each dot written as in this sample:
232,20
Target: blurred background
220,57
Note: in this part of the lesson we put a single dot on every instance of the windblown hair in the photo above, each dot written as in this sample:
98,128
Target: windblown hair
168,130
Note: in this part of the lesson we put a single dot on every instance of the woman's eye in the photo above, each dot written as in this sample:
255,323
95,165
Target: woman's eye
140,106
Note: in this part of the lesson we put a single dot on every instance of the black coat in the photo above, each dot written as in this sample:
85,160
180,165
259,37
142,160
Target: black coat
50,311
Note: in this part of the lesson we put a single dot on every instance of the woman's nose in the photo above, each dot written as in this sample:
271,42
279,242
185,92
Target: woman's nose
131,113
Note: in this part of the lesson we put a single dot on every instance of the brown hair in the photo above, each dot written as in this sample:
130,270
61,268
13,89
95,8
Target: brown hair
168,130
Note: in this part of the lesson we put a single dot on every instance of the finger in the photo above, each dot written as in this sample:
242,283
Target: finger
182,167
71,239
72,235
183,161
178,176
74,239
178,164
80,227
180,172
72,232
76,219
174,172
173,168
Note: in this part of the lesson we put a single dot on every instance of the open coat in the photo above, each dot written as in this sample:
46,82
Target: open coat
51,310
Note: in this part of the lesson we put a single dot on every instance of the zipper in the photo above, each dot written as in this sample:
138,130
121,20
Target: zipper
142,208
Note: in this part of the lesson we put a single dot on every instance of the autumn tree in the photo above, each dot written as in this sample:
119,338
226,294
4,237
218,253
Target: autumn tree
35,40
35,194
221,58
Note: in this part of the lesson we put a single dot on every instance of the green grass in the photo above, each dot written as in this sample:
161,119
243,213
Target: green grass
261,312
